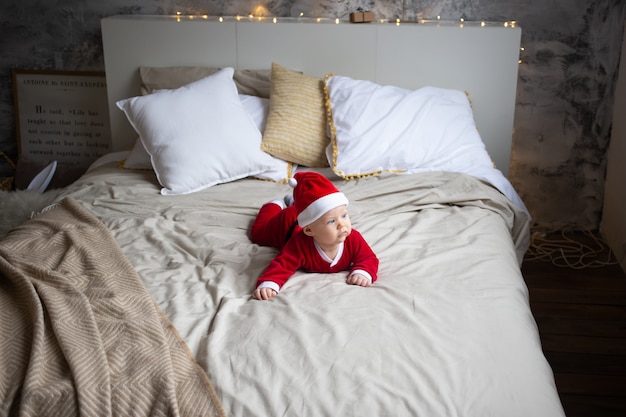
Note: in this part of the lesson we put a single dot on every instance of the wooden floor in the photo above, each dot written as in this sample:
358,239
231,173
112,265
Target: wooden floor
581,315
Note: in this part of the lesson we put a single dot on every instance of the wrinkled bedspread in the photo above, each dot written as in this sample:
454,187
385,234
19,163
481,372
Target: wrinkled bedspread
445,331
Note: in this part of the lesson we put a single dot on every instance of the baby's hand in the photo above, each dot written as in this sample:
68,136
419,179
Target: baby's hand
358,279
264,293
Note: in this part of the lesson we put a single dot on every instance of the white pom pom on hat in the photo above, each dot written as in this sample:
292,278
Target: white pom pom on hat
313,196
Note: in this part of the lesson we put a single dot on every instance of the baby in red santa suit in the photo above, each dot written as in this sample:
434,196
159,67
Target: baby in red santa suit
313,234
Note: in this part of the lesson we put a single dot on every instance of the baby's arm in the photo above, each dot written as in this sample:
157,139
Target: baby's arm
278,272
365,266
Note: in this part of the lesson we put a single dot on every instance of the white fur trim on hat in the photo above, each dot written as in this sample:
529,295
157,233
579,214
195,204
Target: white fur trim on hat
319,207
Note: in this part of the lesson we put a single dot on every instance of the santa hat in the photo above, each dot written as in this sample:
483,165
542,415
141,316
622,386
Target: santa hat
314,195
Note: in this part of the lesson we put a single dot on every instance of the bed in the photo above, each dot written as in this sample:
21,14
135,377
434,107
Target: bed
131,295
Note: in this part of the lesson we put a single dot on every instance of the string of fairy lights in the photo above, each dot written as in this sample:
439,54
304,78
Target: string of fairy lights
462,22
261,15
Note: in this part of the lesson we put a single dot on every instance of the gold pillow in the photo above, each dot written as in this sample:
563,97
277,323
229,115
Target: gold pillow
296,124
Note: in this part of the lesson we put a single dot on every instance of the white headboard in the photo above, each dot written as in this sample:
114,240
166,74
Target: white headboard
481,59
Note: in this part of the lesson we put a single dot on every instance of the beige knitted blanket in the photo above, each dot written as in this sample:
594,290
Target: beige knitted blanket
79,333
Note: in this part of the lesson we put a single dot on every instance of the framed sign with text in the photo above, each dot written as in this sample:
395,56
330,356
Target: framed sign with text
61,116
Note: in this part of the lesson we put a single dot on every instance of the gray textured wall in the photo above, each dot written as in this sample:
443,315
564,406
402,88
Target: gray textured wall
565,89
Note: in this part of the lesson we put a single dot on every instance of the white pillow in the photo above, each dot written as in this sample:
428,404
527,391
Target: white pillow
258,109
198,135
377,128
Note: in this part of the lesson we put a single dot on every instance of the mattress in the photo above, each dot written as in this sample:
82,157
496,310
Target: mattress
445,331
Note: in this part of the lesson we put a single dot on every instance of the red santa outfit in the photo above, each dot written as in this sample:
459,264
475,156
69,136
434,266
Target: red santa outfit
281,228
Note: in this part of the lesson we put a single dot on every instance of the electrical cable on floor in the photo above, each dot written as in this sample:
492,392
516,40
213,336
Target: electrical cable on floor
570,247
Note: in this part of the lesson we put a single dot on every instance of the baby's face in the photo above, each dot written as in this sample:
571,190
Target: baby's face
332,228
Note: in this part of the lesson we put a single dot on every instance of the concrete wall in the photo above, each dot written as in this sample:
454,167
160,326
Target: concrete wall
565,89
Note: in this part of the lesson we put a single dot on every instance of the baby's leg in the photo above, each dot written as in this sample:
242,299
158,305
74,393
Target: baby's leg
273,225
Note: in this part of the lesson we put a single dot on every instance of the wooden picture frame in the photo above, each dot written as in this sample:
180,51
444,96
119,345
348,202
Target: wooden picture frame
61,116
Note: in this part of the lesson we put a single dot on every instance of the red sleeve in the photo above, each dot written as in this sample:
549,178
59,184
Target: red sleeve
284,265
363,257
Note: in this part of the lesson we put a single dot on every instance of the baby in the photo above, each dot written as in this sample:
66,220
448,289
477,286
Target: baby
313,234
